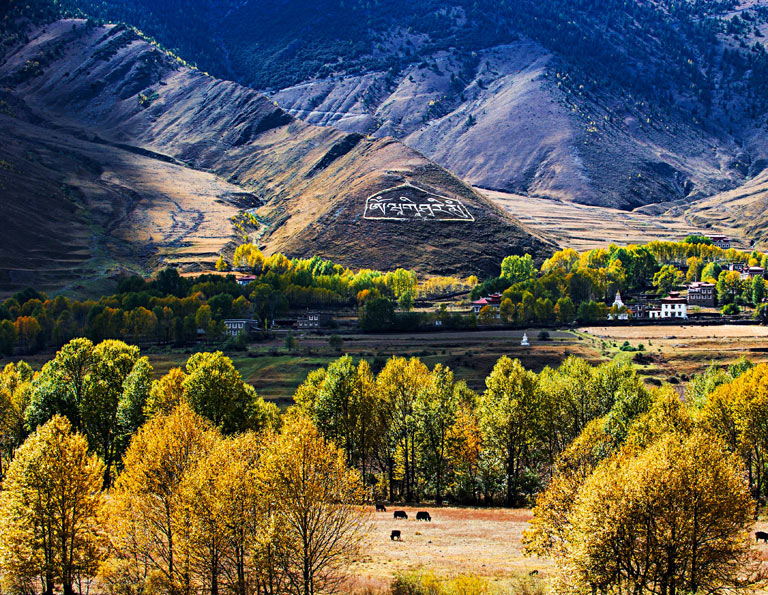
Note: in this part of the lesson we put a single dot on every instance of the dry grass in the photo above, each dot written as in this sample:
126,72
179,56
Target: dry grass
584,227
674,352
483,542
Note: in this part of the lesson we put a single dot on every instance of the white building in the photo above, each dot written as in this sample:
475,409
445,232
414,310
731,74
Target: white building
674,307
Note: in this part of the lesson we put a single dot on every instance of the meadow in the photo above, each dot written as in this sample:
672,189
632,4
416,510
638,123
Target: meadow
671,353
480,541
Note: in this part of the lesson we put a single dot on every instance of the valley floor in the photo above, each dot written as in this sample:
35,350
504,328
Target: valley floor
480,541
670,353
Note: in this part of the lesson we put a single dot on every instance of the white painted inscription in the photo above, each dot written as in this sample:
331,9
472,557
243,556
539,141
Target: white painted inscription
408,202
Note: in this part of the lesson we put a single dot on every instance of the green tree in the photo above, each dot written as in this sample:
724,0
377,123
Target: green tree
729,286
8,337
565,311
711,272
87,384
518,268
509,414
698,239
667,278
48,511
399,384
436,409
758,290
377,314
215,390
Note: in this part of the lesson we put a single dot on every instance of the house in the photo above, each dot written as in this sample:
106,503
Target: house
312,320
235,326
701,294
746,271
654,312
674,307
245,279
493,301
721,241
642,310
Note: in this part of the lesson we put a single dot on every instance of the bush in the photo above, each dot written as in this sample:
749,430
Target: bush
426,583
543,336
336,342
730,310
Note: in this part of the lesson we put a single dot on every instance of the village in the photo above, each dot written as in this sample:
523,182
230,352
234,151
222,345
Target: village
694,302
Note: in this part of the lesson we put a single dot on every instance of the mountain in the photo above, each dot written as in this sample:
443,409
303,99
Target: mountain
117,155
620,103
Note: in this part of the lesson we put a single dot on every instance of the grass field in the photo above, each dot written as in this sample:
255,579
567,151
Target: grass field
583,227
480,541
276,372
675,352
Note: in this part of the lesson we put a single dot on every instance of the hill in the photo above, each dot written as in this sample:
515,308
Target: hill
117,155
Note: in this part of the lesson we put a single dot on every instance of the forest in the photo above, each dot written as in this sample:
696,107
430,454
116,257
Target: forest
191,483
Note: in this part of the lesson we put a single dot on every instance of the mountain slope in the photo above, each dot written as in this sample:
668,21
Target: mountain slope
608,102
306,185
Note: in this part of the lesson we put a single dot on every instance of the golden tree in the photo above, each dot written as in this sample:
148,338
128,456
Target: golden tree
738,412
149,517
233,538
15,395
315,499
166,393
48,511
673,519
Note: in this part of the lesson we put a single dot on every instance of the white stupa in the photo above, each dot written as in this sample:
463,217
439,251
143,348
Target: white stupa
619,304
524,342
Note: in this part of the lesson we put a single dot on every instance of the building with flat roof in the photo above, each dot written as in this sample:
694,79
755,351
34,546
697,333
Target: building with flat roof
674,307
701,294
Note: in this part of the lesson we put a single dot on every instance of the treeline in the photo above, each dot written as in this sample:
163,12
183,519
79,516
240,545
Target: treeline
193,511
572,286
171,309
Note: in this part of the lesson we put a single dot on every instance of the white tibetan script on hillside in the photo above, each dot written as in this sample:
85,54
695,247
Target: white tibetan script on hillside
408,202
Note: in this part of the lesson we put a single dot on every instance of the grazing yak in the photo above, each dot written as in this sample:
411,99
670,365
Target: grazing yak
395,535
381,508
423,515
761,535
400,514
